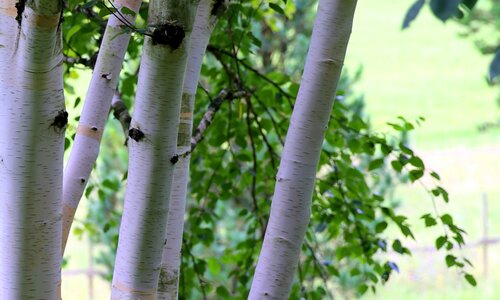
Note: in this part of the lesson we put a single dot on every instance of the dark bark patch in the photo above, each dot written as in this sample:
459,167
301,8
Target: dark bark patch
20,9
174,159
170,34
60,121
106,76
136,134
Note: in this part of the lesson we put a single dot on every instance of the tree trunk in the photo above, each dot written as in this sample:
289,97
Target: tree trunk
152,150
291,206
32,125
95,112
205,21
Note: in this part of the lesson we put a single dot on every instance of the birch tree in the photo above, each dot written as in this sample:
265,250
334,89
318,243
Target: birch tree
152,149
205,20
32,121
291,206
102,87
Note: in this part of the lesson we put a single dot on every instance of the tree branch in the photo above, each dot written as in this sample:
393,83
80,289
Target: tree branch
121,113
210,114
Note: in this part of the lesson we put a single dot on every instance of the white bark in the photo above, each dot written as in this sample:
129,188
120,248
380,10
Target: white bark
95,112
156,115
171,259
291,206
31,150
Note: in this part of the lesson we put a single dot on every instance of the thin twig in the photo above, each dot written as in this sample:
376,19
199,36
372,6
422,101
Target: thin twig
254,167
215,51
263,135
210,114
196,271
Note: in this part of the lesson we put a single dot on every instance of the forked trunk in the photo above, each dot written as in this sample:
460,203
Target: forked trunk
152,149
169,275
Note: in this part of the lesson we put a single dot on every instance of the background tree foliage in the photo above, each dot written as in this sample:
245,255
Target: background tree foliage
258,51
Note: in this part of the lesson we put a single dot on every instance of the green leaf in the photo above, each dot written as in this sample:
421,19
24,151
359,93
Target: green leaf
429,221
222,292
362,289
78,231
254,39
106,11
450,260
417,162
440,191
449,246
375,164
386,149
468,262
127,11
469,3
112,185
357,124
416,174
77,101
214,266
405,149
90,4
470,279
412,13
447,219
277,8
396,246
495,66
435,175
396,165
381,227
440,241
67,143
444,9
396,126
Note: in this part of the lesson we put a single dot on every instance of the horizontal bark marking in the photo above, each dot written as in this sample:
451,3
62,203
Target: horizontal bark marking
148,294
44,22
91,132
10,11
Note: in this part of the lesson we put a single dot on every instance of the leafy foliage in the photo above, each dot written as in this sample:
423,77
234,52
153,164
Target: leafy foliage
259,48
